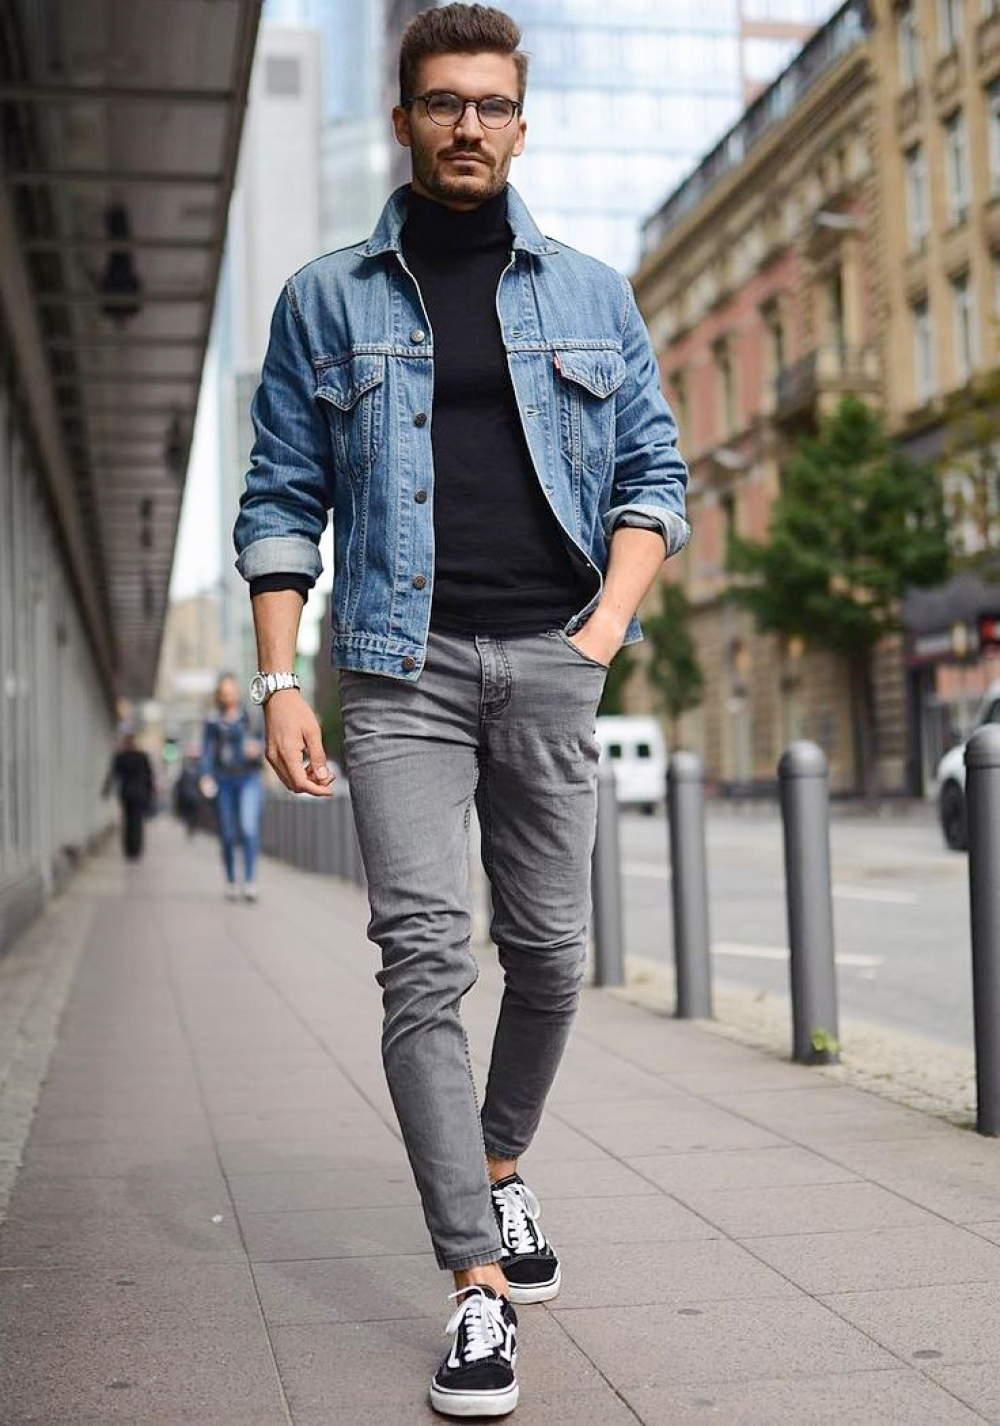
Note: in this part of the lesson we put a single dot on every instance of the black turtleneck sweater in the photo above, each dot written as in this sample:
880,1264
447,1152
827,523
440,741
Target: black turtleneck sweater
502,565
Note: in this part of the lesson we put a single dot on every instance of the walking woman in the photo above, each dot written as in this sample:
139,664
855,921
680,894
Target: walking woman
231,757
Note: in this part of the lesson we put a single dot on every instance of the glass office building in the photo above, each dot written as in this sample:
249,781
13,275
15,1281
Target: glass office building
624,99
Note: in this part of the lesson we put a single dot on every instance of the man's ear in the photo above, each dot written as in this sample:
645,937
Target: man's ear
522,129
401,126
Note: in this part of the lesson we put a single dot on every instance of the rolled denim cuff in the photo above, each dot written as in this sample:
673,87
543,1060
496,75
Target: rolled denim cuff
280,554
673,527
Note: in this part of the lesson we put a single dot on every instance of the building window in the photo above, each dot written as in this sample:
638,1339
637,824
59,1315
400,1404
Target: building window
776,332
835,313
917,197
949,23
283,74
965,326
727,504
956,167
678,395
993,125
910,59
727,388
923,350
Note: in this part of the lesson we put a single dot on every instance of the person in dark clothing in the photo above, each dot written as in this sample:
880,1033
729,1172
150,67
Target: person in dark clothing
187,795
132,773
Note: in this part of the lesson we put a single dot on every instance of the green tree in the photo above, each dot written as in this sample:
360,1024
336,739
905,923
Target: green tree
623,666
855,526
332,727
674,673
972,475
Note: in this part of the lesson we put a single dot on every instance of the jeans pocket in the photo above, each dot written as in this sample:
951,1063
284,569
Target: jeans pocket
579,653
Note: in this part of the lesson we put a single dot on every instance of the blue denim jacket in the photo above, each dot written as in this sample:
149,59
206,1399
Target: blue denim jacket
223,745
342,420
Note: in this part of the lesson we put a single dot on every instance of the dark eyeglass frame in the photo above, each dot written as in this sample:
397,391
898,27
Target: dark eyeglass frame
516,109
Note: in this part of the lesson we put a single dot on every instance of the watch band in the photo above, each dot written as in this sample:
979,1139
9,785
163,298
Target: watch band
262,685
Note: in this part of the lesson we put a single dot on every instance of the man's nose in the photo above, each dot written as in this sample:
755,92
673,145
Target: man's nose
469,125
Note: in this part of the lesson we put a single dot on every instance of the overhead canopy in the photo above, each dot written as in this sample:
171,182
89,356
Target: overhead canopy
121,123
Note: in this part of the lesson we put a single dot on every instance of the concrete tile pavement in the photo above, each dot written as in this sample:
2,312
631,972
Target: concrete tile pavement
215,1221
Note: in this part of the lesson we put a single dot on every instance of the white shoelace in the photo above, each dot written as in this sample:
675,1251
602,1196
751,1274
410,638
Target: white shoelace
519,1212
485,1328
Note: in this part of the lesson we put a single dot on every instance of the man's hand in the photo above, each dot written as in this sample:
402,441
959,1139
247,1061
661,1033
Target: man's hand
600,638
291,729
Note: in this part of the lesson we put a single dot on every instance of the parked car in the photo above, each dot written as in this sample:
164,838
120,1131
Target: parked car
637,752
949,778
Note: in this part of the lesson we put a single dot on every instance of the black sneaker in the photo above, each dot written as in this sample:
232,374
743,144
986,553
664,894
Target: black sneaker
529,1263
477,1376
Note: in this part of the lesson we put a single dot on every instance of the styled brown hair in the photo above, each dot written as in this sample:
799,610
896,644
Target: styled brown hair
458,29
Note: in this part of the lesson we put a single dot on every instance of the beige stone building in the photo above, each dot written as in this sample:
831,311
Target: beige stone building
760,287
938,134
786,271
191,660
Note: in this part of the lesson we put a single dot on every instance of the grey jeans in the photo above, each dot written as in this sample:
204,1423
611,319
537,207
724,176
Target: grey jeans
509,723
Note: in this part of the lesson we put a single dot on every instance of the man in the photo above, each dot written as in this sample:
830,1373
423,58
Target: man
131,773
479,406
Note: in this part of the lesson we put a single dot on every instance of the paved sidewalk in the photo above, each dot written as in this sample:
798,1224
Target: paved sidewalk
215,1222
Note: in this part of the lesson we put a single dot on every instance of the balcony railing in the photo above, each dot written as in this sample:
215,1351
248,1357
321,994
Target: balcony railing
833,368
841,33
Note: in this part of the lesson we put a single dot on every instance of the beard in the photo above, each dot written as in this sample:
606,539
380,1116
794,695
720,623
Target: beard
442,180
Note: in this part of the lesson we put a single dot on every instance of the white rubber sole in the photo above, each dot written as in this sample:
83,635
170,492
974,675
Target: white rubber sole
475,1403
544,1292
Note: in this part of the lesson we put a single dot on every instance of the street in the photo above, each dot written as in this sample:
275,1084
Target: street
900,905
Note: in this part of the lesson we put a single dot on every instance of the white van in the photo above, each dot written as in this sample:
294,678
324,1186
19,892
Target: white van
638,754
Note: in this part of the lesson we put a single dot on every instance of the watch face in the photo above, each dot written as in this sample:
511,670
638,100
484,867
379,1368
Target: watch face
258,688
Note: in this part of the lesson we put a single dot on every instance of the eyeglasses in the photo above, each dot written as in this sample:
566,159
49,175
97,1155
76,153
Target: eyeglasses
494,112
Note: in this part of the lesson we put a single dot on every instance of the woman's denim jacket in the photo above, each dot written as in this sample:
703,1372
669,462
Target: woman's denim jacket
343,424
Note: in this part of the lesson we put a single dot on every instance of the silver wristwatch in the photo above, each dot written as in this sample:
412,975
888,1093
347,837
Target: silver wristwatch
262,685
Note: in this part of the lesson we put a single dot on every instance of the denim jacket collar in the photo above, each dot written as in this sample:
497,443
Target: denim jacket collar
387,236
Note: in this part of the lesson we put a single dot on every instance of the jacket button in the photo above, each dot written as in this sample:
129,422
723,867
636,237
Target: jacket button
409,662
420,419
420,496
419,580
417,336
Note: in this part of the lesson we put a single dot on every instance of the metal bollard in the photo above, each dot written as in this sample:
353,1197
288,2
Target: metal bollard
982,793
299,832
287,814
343,836
689,886
802,776
324,836
335,836
357,869
315,834
609,966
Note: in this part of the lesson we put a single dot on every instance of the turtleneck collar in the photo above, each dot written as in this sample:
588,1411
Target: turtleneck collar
431,225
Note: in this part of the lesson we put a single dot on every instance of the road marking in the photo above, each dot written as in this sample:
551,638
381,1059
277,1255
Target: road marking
653,870
869,893
780,953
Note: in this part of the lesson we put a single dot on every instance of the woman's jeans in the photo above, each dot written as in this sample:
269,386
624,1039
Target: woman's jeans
238,804
510,724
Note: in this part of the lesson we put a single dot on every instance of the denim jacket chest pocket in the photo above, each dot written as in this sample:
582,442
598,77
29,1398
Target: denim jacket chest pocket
352,391
586,382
